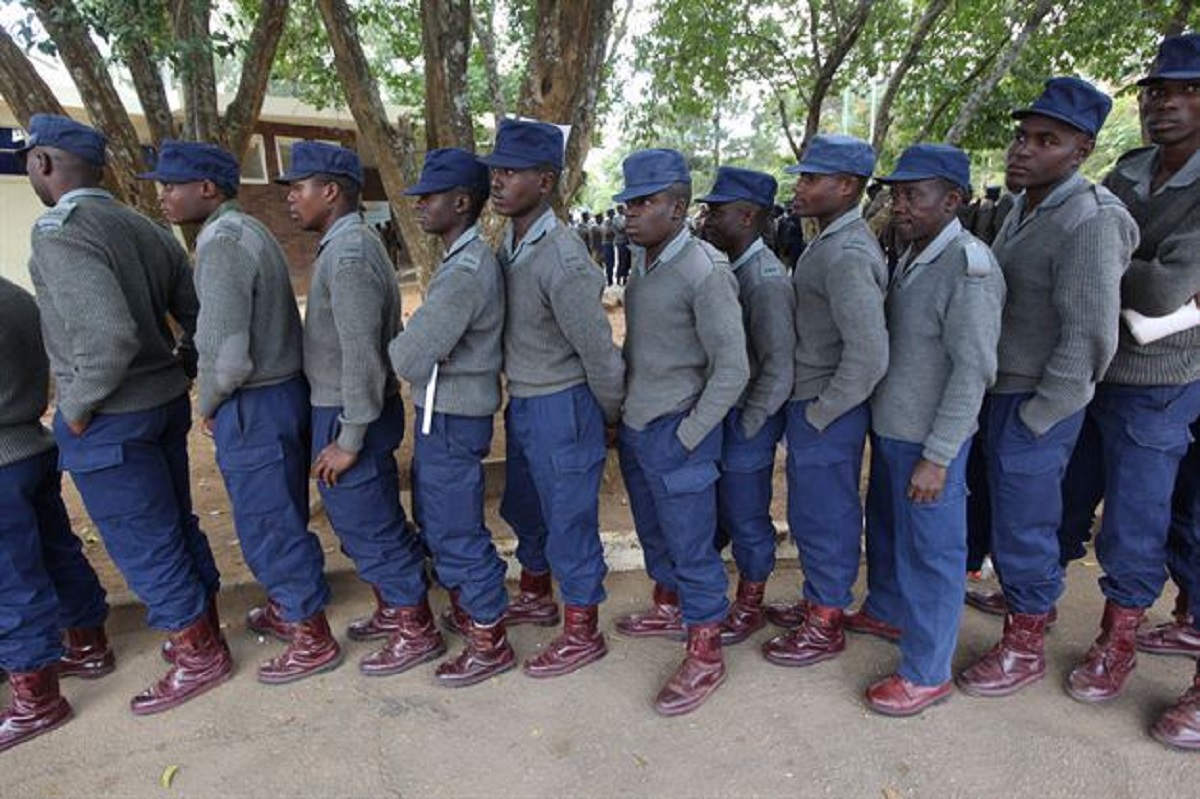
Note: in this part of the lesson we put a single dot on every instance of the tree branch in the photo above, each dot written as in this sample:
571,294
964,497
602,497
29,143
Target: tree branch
1179,19
242,112
883,115
485,33
21,85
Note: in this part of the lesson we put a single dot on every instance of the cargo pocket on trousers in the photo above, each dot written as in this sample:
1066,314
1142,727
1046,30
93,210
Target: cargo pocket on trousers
691,479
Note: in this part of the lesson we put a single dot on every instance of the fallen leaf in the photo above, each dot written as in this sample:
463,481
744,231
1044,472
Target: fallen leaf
167,776
891,793
638,760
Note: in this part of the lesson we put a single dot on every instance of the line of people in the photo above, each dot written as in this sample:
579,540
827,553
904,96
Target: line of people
1010,351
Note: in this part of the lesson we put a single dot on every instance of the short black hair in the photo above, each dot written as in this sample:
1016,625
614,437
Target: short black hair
349,187
680,191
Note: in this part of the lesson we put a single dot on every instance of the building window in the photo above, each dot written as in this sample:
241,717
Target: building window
283,150
254,164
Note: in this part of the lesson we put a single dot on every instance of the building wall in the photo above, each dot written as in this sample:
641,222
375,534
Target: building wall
21,208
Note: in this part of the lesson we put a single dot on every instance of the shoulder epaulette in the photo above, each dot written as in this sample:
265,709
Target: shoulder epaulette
979,261
572,252
467,259
1135,152
56,217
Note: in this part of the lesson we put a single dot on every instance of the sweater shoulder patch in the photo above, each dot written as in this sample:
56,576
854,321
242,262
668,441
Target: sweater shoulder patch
56,218
979,260
571,253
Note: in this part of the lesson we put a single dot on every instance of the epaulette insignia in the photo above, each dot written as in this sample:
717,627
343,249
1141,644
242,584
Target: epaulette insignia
56,217
467,260
771,268
978,262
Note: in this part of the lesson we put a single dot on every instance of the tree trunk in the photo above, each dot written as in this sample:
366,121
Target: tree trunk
826,67
566,70
152,94
485,34
22,87
446,39
1001,68
382,139
79,53
883,115
242,113
1178,21
190,24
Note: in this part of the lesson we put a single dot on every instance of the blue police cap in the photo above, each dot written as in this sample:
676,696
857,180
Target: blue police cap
1178,59
318,158
733,183
524,144
448,168
64,133
650,171
188,161
833,153
924,161
1073,101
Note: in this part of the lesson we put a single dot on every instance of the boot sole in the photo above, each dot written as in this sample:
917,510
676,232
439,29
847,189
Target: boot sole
575,666
907,713
802,663
1177,652
88,674
733,639
162,707
54,725
379,636
547,622
1178,747
290,678
432,654
991,693
475,680
680,710
673,635
1093,700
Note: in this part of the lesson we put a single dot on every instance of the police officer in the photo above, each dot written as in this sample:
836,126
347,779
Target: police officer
357,415
686,354
841,353
451,352
47,583
565,385
1062,250
253,398
1151,392
106,280
943,313
739,207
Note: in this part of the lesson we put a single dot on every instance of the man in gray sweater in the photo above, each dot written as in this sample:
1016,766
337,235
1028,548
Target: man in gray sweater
686,354
47,583
451,352
739,208
353,313
1063,249
841,353
109,281
254,398
565,384
943,314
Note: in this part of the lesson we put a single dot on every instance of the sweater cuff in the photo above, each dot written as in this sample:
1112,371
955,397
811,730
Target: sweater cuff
938,451
74,411
1040,414
752,421
690,434
820,415
351,435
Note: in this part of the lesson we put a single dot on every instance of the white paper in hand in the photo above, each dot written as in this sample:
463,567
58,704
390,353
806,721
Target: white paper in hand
430,391
1146,329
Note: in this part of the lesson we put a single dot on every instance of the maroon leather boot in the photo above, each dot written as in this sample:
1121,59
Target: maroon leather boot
535,603
454,618
415,640
819,638
663,618
1179,727
268,620
581,643
36,706
380,624
312,650
896,696
702,671
214,616
487,654
860,621
788,615
990,602
747,615
86,654
201,662
1112,658
1018,660
1176,637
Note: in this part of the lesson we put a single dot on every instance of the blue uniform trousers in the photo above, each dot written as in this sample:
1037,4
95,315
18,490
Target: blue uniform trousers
448,492
1183,541
744,494
979,506
131,469
1025,474
824,510
883,589
1143,433
553,467
46,583
263,437
930,540
364,507
673,496
1082,490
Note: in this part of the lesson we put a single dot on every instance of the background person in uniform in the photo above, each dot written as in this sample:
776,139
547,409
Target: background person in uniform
253,398
47,585
357,415
841,353
687,367
608,248
739,205
621,243
1062,250
458,330
943,308
107,279
565,385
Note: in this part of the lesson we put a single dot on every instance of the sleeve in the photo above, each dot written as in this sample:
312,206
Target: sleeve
436,327
718,317
225,286
101,333
184,305
772,336
356,302
1163,284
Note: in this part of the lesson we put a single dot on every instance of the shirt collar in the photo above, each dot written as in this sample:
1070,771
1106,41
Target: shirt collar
1057,196
90,191
229,206
1142,173
931,252
537,231
842,222
336,229
750,252
673,248
466,237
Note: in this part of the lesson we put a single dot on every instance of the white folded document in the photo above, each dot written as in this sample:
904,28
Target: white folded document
1146,329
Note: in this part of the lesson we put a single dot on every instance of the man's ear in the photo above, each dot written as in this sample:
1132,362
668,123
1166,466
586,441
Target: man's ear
330,192
209,190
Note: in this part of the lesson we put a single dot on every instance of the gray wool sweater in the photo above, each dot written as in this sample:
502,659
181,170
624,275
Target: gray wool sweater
106,279
1062,265
1164,272
685,345
353,313
943,314
459,326
25,387
841,336
768,316
249,332
556,333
